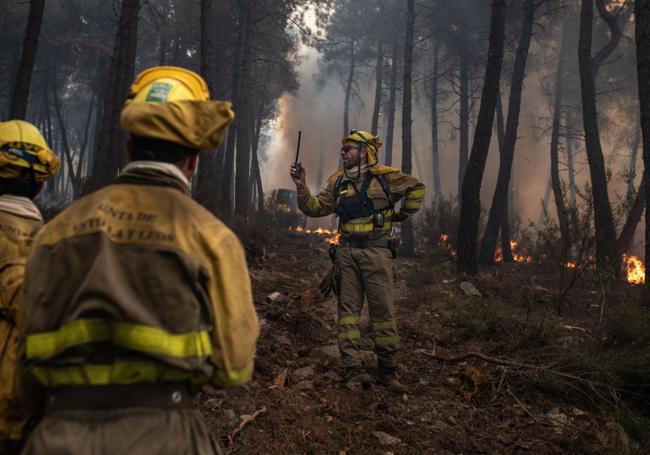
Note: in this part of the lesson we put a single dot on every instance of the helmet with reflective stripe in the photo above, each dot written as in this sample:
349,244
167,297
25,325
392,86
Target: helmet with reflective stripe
22,147
371,141
162,84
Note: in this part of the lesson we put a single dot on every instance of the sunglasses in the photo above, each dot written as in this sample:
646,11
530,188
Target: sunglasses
347,148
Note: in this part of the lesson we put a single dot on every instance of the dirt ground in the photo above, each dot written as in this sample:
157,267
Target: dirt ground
296,402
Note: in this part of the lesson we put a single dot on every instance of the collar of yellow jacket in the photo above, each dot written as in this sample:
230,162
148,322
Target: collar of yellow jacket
20,206
168,169
376,169
199,125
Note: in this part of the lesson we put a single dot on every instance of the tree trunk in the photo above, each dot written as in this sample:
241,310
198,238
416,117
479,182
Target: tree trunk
572,175
471,189
631,170
243,160
379,76
624,241
408,238
506,248
435,152
392,101
204,190
500,197
109,156
229,154
556,182
67,153
348,91
23,79
463,126
642,38
607,259
257,175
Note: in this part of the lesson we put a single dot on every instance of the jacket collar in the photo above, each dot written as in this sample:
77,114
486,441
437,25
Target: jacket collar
154,173
21,206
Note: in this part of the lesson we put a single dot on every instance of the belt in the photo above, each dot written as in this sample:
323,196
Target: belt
175,395
363,243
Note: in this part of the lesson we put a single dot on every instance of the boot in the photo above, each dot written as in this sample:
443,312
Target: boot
357,374
388,378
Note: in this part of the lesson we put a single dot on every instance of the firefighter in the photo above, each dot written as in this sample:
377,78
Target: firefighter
26,162
136,296
363,194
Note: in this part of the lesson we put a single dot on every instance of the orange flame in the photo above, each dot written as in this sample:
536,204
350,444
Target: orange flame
332,235
444,242
570,265
635,269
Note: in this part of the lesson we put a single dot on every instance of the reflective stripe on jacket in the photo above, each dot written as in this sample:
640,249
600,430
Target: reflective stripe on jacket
138,283
402,187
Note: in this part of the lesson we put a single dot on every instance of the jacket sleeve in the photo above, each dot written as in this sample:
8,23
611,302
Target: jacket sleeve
322,204
236,324
410,189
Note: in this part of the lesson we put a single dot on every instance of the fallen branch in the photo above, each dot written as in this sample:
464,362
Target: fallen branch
486,358
244,423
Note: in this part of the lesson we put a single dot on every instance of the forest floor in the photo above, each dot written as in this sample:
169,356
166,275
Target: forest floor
296,402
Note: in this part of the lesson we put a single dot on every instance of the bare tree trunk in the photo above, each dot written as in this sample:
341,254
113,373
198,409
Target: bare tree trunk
257,175
392,101
243,160
471,189
64,136
633,218
572,174
23,79
500,197
631,170
562,215
229,155
204,190
463,126
506,249
109,155
408,239
607,258
379,76
348,90
435,152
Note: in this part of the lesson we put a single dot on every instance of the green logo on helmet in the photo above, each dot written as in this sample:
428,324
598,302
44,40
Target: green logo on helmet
159,92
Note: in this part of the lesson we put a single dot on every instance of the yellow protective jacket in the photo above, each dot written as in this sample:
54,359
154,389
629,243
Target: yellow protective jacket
19,222
137,283
402,187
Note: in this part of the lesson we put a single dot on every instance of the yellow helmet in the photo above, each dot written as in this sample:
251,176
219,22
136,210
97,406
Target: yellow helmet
371,141
23,147
162,84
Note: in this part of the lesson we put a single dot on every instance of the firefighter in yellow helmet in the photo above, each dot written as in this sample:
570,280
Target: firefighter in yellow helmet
363,194
26,162
136,296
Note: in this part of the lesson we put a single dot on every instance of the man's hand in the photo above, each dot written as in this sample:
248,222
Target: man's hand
299,181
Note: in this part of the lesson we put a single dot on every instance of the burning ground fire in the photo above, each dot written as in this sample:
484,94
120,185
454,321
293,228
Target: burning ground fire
331,236
634,267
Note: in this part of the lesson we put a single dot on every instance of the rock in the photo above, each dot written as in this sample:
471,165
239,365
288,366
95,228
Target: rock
451,420
302,373
385,439
329,352
304,385
469,289
452,381
558,420
448,281
274,297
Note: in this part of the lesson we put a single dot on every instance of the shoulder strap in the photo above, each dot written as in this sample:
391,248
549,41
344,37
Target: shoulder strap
383,182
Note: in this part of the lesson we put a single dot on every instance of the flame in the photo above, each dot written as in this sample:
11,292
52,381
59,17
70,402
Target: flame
635,269
332,235
444,242
570,265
